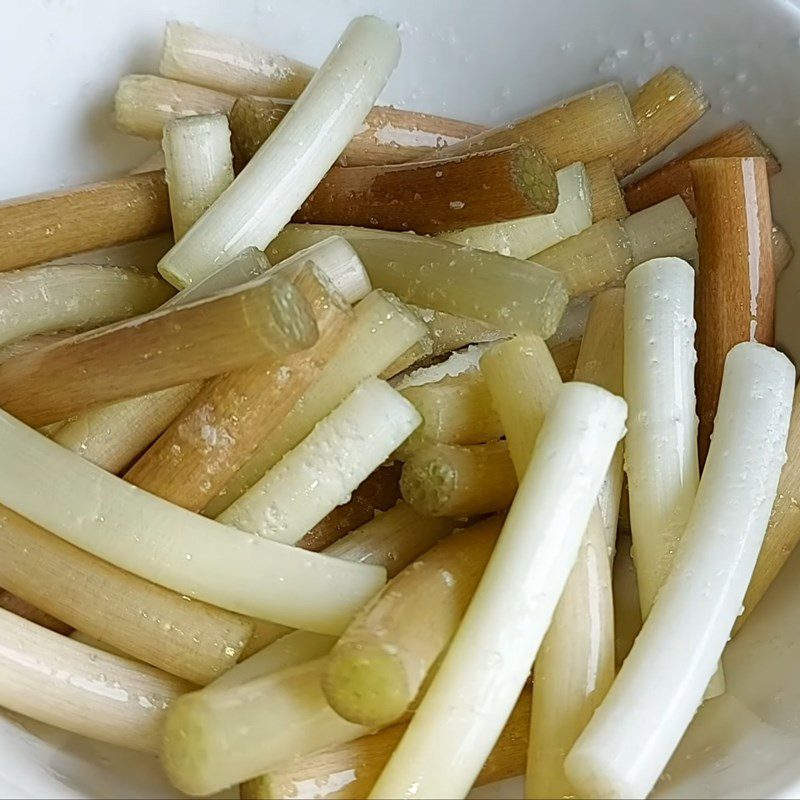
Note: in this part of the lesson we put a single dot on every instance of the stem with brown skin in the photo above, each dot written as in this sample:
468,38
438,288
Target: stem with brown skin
740,141
664,108
437,195
267,318
186,638
44,227
735,286
590,125
390,135
215,435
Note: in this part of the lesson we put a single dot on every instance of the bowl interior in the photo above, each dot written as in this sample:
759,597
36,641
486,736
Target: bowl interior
486,62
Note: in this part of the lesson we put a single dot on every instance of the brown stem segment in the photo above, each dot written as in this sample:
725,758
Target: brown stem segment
215,435
735,284
166,348
740,141
390,135
47,226
664,108
437,195
590,125
350,770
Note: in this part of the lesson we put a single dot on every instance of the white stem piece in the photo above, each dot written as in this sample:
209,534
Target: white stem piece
292,161
199,166
45,299
144,104
327,466
221,62
437,274
383,329
474,691
663,230
215,738
168,545
112,436
522,238
661,445
62,682
661,684
290,650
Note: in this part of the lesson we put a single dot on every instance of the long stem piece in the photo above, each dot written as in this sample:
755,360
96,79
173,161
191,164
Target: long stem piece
168,545
111,436
383,329
443,276
327,466
228,64
380,663
445,480
389,135
56,680
740,141
348,771
45,227
199,166
783,532
489,659
661,445
218,737
152,624
379,492
521,238
735,295
290,164
661,684
437,195
575,664
664,108
213,437
590,125
145,104
79,296
267,318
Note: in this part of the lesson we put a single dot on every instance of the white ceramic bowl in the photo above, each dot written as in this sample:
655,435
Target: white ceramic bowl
479,60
